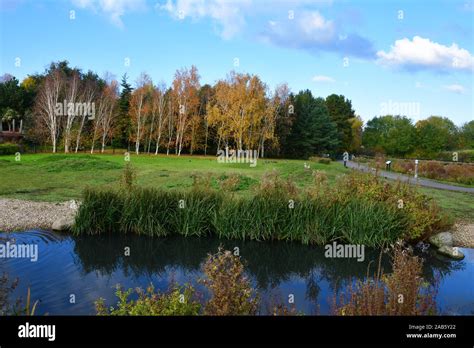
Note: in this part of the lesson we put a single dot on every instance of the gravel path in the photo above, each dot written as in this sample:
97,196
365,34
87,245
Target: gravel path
18,215
410,179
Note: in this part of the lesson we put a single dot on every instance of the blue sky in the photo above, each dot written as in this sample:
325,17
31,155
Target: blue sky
382,55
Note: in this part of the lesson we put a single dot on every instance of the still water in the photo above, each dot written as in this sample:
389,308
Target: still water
90,267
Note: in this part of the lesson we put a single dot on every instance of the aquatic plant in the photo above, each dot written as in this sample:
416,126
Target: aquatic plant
402,292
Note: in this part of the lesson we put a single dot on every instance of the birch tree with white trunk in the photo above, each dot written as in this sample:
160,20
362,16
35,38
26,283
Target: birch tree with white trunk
139,109
47,99
71,95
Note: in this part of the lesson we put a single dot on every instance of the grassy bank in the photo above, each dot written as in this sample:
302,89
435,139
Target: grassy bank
358,209
56,178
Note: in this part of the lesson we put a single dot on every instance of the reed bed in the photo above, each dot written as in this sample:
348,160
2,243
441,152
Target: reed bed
357,210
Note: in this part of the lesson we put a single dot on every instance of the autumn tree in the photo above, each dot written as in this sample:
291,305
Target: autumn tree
356,138
48,96
139,109
284,117
241,112
218,109
91,86
105,115
185,96
158,109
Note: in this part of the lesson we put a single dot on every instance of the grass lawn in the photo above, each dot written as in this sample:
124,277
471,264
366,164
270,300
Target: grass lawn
59,177
48,177
459,204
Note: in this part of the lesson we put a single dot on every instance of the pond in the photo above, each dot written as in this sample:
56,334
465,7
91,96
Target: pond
90,267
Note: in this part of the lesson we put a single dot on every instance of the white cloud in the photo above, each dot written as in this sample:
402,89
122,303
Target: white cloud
316,27
322,78
311,31
455,88
230,15
421,53
113,9
227,14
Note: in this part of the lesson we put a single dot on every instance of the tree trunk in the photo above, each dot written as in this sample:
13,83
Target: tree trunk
79,133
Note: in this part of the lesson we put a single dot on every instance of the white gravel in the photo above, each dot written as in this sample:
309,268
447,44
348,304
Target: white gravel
19,215
463,235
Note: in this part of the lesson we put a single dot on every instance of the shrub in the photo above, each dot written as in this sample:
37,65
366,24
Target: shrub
462,173
422,216
9,149
177,301
402,292
231,291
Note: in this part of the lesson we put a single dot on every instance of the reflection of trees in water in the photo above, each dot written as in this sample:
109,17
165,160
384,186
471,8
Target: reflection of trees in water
268,264
312,287
339,272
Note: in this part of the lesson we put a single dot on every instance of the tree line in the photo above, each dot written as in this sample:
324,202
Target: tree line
239,112
400,136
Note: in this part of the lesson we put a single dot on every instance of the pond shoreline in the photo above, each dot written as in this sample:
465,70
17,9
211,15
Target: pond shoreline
21,215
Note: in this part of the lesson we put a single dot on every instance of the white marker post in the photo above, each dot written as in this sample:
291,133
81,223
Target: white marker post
416,169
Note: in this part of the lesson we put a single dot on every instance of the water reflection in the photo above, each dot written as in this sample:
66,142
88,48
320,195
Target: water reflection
90,266
268,263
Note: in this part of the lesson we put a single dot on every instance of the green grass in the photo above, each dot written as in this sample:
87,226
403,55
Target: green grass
47,177
59,177
459,204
